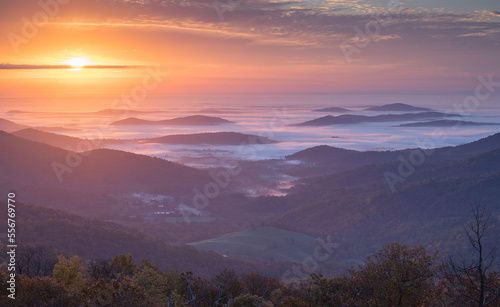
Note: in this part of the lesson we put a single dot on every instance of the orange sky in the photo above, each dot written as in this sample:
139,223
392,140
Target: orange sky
259,47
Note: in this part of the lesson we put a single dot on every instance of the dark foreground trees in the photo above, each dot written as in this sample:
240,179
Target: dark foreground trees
397,275
470,281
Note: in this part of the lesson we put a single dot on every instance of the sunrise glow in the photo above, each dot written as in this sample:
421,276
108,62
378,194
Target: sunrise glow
77,62
250,153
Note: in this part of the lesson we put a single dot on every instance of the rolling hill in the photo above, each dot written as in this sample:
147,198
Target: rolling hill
352,202
326,160
10,126
322,160
97,183
333,110
322,153
94,239
56,140
213,138
356,119
429,207
399,107
80,145
357,208
194,120
55,129
261,244
447,123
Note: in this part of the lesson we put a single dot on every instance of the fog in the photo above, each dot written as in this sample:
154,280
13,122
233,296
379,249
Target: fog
271,117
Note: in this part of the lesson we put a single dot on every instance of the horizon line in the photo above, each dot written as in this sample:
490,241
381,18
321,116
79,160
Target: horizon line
65,66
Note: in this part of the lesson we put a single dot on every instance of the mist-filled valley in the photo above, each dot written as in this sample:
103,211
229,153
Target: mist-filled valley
256,193
249,153
197,177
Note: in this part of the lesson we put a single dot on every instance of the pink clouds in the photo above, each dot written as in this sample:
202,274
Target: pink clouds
272,46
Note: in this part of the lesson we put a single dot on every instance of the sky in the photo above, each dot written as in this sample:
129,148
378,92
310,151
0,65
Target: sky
246,47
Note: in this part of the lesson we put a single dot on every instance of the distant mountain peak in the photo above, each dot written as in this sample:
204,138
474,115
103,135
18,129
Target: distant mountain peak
447,123
192,120
321,153
399,107
356,119
211,138
53,139
333,110
10,126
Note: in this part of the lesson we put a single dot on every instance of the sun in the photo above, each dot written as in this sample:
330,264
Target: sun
77,62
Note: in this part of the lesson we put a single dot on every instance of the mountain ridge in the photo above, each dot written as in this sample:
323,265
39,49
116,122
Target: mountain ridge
193,120
401,107
355,119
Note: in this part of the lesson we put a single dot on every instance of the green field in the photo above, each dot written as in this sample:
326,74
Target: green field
264,243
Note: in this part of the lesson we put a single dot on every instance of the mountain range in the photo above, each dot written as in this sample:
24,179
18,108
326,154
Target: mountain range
393,107
85,182
342,193
327,159
10,126
211,138
447,123
358,209
398,107
94,239
356,119
200,139
194,120
333,110
57,140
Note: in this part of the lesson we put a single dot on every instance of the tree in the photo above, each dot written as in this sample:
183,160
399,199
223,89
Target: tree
397,275
42,291
324,291
70,272
36,260
225,287
291,301
259,285
123,265
116,293
101,270
469,282
193,290
247,300
154,282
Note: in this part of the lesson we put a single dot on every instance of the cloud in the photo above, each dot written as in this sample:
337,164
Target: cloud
319,23
28,66
259,34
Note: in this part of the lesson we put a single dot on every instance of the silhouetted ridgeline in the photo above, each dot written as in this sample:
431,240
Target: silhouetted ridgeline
447,123
214,138
94,239
356,119
108,170
10,126
346,196
333,110
56,140
399,107
194,120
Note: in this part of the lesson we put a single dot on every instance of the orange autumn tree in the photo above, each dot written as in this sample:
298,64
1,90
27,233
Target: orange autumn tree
397,275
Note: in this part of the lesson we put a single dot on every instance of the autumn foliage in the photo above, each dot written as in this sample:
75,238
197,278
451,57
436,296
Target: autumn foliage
397,275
